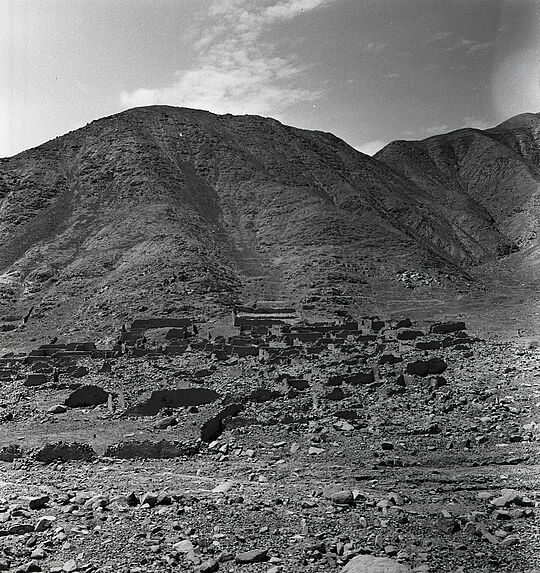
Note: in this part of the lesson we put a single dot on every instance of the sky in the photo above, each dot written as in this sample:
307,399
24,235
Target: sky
369,71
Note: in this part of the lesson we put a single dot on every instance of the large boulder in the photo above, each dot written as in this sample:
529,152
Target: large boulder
260,395
390,358
147,449
79,372
446,327
36,379
87,396
62,451
408,334
426,367
370,564
9,453
175,398
298,384
212,428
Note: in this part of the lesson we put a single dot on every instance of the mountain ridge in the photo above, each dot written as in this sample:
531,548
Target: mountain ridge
181,211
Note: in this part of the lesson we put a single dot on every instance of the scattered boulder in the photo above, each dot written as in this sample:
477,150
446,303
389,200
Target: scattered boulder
41,368
298,384
147,449
446,327
164,423
429,345
346,414
57,409
389,358
20,529
45,522
253,556
36,379
186,548
343,497
509,497
343,425
79,372
85,396
210,566
132,499
371,564
335,394
260,395
106,368
9,453
360,377
425,367
212,428
203,372
38,502
407,334
62,451
174,398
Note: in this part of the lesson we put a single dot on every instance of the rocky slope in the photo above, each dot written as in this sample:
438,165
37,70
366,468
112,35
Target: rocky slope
164,210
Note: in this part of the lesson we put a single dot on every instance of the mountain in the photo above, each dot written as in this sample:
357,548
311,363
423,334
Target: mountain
173,211
487,182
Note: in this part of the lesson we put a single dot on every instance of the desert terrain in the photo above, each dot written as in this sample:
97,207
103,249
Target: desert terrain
227,344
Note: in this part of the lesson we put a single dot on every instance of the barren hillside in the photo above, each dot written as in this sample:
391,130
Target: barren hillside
164,210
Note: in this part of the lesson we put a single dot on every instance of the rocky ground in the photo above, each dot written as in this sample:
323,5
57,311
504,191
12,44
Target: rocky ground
383,455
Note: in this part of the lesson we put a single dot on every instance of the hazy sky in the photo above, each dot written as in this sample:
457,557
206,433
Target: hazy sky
369,71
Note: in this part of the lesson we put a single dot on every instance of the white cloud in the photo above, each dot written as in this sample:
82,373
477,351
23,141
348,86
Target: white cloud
371,147
236,72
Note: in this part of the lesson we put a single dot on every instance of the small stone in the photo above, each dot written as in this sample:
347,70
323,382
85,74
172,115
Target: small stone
253,556
510,540
38,502
29,567
97,501
44,523
38,553
344,497
313,451
223,487
149,499
57,409
209,566
164,499
370,564
132,499
344,426
20,529
165,423
486,534
184,546
69,566
507,497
